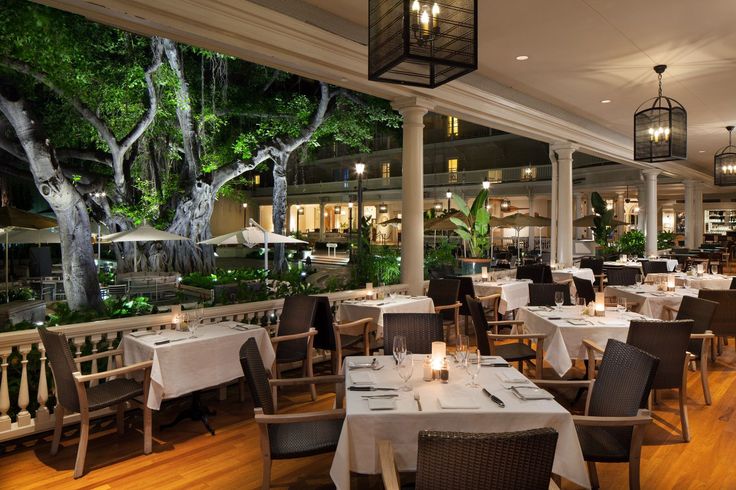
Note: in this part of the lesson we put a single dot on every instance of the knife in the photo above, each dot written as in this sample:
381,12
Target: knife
370,388
495,399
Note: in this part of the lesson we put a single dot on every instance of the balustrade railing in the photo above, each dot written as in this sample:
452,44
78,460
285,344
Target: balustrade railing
24,370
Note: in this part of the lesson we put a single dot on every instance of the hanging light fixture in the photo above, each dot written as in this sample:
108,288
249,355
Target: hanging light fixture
724,163
422,43
337,209
383,208
660,128
505,205
528,173
438,206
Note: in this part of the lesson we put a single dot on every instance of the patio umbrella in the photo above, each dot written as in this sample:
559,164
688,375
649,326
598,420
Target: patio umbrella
48,235
587,222
12,219
520,220
250,236
391,222
144,233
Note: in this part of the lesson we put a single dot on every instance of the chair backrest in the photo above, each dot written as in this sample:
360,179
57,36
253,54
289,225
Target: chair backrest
701,311
62,366
297,316
544,294
441,271
594,263
534,272
498,461
624,380
666,340
733,283
444,292
256,376
480,324
584,289
651,267
323,322
622,276
724,319
420,330
466,289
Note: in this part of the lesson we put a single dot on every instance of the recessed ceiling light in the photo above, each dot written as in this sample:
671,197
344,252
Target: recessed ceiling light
343,79
606,101
701,151
523,57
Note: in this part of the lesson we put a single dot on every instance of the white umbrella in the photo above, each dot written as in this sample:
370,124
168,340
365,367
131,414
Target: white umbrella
49,235
144,233
251,236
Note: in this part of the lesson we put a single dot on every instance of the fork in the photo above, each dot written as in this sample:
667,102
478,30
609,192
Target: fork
419,403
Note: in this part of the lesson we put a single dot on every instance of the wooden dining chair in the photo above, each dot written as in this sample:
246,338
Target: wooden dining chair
723,324
444,294
352,337
74,394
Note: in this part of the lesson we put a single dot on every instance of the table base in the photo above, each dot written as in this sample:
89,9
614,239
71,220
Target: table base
196,411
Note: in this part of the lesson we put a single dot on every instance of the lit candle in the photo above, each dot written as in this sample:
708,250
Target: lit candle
670,282
369,290
439,350
600,304
484,273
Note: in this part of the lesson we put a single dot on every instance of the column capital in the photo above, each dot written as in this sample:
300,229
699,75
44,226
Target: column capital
651,173
563,147
406,104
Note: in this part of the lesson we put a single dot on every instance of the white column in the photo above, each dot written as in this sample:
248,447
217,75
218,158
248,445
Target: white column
650,176
689,214
620,211
553,208
321,221
698,211
642,203
563,225
412,192
578,211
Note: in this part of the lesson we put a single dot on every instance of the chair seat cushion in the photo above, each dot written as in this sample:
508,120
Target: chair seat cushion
605,444
515,352
304,439
113,392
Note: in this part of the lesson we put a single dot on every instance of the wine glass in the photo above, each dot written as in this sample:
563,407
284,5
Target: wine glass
621,305
399,348
461,349
559,299
637,280
714,269
406,369
474,365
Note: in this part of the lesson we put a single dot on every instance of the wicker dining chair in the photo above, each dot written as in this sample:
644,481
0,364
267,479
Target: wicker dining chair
74,395
701,311
622,276
519,351
466,288
584,289
420,330
596,265
544,294
650,267
477,461
444,294
612,429
293,435
294,340
536,273
340,339
724,320
733,283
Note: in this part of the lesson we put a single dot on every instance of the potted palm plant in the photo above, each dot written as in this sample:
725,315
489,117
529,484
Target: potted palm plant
473,229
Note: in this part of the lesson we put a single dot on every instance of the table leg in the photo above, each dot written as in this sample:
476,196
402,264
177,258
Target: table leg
196,411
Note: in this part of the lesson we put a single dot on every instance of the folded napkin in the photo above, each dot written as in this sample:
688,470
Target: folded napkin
457,402
531,393
142,333
511,376
364,378
382,403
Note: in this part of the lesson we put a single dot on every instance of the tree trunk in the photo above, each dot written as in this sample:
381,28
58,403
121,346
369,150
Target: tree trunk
279,209
192,219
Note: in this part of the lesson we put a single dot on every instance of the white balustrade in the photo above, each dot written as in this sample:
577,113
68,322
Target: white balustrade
42,412
4,391
24,417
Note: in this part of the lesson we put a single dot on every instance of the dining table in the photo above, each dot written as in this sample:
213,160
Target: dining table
514,292
566,328
398,416
184,364
374,309
694,281
650,299
671,263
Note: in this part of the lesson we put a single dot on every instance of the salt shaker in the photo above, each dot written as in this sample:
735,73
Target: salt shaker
427,369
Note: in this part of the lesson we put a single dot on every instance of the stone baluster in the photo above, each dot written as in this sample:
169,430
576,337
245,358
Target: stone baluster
5,422
24,417
78,342
95,340
42,413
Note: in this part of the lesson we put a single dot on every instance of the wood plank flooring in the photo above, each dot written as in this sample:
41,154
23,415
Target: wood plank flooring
187,457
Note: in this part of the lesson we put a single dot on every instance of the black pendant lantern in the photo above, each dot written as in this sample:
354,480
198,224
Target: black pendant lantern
724,163
660,128
421,42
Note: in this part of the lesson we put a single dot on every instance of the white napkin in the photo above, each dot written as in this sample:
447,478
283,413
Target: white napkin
382,403
511,376
363,378
142,333
455,402
531,393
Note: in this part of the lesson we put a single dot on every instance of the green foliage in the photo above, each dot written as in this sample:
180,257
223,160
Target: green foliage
124,307
602,229
222,276
18,294
442,254
106,278
364,269
665,239
387,264
474,229
632,243
112,308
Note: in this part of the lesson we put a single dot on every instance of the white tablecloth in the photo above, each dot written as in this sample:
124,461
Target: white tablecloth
363,428
514,293
376,308
194,364
570,272
671,263
707,281
652,301
564,341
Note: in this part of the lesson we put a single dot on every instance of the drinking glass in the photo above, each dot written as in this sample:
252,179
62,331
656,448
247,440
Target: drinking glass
637,280
559,299
399,348
581,304
474,365
714,269
461,349
406,369
621,305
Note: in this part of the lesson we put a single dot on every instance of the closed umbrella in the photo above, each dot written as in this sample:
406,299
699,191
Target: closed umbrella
251,236
144,233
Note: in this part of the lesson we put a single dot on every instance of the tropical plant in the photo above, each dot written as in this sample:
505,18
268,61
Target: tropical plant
474,228
665,239
632,243
602,223
387,263
442,254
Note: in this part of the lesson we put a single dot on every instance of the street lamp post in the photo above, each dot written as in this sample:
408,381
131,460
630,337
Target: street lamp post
245,214
448,195
359,169
350,227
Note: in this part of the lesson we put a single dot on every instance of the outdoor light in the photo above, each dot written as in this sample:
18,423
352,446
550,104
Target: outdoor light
448,194
382,208
505,205
486,183
660,128
421,43
528,174
438,206
337,209
724,163
245,205
359,168
350,205
300,209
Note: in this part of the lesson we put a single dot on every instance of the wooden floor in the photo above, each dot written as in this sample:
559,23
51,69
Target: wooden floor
187,457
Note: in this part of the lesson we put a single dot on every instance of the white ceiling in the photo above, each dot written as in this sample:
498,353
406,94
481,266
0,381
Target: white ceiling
584,51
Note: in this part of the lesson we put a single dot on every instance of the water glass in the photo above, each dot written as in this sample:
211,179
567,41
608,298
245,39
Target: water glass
559,299
621,305
714,269
399,348
461,349
406,369
474,366
637,280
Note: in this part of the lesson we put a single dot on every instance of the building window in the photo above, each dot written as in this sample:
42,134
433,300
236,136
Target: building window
452,169
453,126
257,179
386,170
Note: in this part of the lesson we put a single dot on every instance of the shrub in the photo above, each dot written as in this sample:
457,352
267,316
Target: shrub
632,243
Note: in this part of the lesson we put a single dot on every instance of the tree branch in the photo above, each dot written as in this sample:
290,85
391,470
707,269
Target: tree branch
82,154
317,119
223,175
